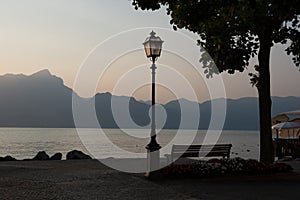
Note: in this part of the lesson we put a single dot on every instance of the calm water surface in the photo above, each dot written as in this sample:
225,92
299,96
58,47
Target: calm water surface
26,142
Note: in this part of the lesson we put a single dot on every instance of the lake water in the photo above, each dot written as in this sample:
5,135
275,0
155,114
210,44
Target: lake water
26,142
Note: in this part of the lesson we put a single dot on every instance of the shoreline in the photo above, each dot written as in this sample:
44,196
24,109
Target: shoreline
25,143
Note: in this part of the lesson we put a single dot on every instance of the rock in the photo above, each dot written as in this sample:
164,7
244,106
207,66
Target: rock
7,158
56,156
41,155
75,154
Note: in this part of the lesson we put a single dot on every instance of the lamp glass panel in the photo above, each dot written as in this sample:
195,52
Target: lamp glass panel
147,49
156,48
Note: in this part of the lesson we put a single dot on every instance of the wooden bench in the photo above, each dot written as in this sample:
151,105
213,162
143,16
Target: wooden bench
186,151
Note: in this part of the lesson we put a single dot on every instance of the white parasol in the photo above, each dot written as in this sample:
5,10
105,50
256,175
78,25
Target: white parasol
286,126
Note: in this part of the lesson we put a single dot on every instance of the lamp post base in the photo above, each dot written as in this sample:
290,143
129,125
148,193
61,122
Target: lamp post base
153,161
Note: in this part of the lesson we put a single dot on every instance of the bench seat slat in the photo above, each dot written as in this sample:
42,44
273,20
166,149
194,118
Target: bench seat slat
182,151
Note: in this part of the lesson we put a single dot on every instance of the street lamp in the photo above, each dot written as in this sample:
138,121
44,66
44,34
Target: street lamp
153,46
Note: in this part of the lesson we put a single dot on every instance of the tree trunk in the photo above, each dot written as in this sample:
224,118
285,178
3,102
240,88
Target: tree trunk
265,103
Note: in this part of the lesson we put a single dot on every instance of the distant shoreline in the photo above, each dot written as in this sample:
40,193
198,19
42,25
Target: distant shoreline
28,127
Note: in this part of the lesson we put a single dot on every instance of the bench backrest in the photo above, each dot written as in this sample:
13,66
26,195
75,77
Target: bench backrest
201,150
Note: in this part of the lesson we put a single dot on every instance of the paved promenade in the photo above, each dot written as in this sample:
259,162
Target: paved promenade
89,179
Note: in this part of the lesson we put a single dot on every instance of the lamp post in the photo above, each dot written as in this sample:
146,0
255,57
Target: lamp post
153,46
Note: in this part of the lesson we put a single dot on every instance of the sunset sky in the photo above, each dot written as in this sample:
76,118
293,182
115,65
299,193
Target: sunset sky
60,34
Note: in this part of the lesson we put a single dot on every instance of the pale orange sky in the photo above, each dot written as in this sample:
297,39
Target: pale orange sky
59,35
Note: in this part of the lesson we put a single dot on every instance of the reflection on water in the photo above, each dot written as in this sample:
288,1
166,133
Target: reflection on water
26,142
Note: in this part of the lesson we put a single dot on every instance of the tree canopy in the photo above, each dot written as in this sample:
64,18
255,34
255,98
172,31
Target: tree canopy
233,31
230,30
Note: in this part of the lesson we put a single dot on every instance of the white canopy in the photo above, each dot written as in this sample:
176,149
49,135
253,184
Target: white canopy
286,125
287,116
283,129
295,112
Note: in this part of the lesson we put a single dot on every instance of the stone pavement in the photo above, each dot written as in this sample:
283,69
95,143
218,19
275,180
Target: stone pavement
89,179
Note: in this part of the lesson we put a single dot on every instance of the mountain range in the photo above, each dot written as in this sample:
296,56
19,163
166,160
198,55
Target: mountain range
42,100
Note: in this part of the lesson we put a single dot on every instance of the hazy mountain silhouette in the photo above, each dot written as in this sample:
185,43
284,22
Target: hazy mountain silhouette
42,100
39,100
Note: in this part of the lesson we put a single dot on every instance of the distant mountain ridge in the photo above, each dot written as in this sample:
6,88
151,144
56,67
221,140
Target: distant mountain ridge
42,100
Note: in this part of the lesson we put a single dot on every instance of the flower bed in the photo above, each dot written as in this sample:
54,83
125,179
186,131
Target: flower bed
223,167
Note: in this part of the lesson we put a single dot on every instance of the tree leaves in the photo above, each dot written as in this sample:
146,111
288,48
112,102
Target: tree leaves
230,30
